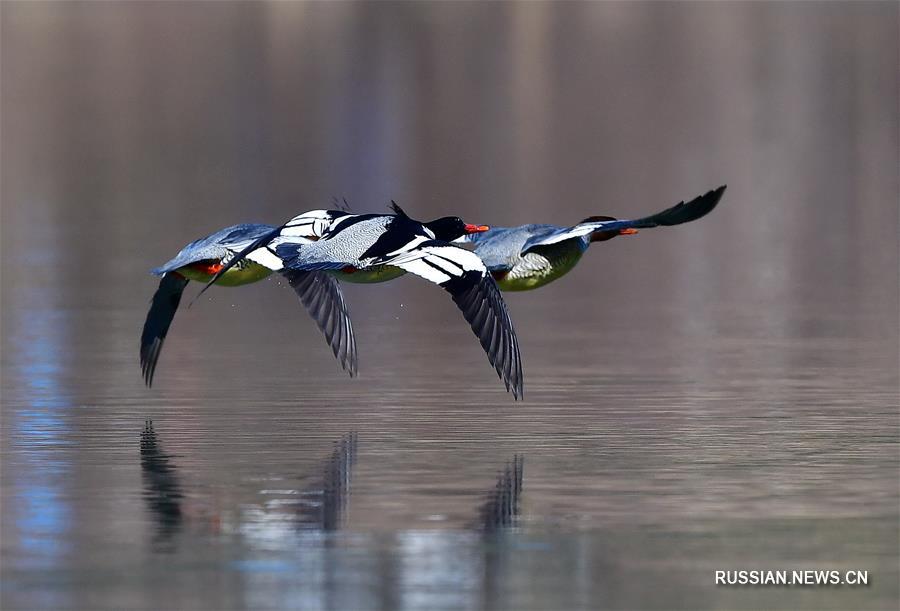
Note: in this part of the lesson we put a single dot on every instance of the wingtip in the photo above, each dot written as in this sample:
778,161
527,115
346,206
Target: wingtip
694,209
321,295
146,375
715,196
514,386
149,356
508,365
518,389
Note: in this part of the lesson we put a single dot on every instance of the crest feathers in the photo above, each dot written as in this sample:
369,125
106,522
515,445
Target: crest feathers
397,209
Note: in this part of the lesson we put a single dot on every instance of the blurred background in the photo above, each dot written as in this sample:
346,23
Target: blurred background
719,395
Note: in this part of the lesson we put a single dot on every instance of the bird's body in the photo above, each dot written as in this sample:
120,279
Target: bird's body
201,259
204,260
501,248
371,275
530,256
354,230
355,243
248,273
535,269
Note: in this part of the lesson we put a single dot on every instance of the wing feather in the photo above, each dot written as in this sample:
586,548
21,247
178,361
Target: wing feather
162,310
462,274
676,215
322,297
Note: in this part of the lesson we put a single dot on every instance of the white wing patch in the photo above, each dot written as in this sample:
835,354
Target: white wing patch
420,268
311,224
335,223
266,257
448,265
438,262
304,228
409,246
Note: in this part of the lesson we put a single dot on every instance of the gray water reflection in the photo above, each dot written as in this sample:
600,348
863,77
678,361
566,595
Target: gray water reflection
502,506
161,488
324,503
718,395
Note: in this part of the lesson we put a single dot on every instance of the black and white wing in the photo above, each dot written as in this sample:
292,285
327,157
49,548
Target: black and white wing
309,226
162,310
676,215
302,229
461,273
321,295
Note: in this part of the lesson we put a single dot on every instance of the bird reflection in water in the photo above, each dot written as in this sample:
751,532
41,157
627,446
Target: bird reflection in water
502,506
162,491
325,502
499,513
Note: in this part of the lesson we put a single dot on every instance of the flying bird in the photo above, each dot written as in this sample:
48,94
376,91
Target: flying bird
370,248
529,256
204,260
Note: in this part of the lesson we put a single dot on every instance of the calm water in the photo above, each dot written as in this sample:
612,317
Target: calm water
722,395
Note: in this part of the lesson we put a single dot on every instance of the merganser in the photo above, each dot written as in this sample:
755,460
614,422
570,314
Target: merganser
530,256
204,259
379,247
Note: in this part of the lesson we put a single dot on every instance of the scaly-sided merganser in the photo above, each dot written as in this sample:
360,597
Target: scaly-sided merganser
204,258
530,256
380,247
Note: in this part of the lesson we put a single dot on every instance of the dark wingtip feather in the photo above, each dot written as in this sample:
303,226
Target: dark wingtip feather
149,358
692,210
162,310
322,297
478,297
703,205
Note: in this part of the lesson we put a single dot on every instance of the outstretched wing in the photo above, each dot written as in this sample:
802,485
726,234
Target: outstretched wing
462,274
676,215
321,295
162,310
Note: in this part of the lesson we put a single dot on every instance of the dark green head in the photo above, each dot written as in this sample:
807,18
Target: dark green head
449,228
